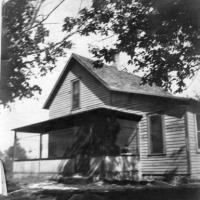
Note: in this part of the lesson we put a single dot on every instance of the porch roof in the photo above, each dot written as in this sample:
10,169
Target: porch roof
71,119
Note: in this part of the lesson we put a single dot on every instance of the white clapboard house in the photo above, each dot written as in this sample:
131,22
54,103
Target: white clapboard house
159,133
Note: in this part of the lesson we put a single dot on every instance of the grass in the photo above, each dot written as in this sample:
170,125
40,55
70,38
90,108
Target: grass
106,191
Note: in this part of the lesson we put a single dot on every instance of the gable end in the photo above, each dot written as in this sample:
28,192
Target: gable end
63,75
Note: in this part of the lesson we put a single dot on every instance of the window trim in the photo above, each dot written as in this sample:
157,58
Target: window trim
79,106
137,139
150,153
196,133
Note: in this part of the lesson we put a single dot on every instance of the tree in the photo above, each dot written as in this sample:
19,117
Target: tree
26,52
20,153
16,152
162,38
1,155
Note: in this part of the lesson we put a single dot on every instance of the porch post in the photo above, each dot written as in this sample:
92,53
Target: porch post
40,154
40,146
14,149
14,145
138,152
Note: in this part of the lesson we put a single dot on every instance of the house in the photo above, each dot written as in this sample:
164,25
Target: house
158,133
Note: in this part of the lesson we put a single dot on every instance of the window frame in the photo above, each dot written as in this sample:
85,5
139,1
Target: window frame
197,132
150,153
135,128
79,106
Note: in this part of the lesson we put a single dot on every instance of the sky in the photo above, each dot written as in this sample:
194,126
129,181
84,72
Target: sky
30,110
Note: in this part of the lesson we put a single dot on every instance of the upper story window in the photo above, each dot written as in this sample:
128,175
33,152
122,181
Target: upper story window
75,94
198,130
156,139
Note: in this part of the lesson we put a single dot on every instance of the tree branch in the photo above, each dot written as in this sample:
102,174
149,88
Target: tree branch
37,8
48,15
55,44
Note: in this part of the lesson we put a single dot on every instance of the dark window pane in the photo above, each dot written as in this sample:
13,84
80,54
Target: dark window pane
198,122
198,137
127,138
60,142
75,94
156,134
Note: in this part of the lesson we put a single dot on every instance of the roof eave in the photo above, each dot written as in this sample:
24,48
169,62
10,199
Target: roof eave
152,94
52,124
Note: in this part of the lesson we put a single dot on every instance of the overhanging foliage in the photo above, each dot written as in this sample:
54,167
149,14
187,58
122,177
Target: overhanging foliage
162,38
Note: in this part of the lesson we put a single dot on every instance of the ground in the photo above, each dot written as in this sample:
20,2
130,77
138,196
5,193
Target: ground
52,190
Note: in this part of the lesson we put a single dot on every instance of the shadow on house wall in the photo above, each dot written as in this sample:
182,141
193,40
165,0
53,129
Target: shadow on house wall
102,167
171,174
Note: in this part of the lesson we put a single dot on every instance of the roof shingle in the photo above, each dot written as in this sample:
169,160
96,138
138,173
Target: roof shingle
120,80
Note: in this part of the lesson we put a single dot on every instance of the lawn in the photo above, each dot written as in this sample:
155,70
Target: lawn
50,190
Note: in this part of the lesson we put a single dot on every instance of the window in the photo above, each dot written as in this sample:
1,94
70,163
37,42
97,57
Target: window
60,143
127,138
57,144
156,134
198,130
75,94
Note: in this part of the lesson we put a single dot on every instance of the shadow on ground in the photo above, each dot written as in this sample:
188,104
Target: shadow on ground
143,194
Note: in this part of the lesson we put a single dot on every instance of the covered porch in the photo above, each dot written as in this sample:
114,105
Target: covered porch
99,141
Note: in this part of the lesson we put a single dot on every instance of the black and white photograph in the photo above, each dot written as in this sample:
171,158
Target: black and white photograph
100,100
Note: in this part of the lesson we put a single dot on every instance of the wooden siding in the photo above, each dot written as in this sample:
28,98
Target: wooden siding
92,93
194,154
175,158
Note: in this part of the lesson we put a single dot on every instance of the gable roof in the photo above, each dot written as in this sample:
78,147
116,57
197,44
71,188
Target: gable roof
112,79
